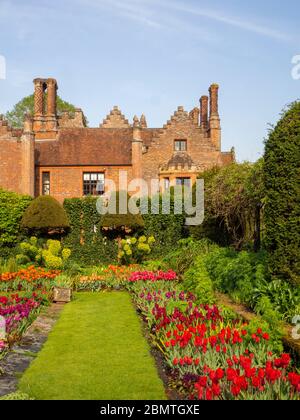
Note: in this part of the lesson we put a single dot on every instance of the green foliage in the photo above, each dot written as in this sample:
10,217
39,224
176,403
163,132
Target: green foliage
233,201
88,243
272,329
11,211
10,265
243,275
115,220
196,279
134,250
51,255
14,396
185,252
64,281
282,211
168,229
26,107
45,214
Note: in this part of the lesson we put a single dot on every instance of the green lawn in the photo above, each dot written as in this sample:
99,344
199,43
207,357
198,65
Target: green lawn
95,351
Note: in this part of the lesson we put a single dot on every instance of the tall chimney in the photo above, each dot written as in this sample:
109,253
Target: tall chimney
51,102
137,149
204,112
214,119
214,98
39,89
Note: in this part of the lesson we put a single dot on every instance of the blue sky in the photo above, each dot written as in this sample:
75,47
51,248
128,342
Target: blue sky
152,55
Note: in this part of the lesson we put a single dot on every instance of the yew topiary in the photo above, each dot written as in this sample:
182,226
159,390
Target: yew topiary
45,215
282,209
115,221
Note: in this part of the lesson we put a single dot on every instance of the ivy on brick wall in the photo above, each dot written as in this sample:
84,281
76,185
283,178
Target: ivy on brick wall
89,246
11,211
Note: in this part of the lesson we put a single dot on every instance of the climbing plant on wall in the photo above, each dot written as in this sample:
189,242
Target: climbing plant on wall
89,246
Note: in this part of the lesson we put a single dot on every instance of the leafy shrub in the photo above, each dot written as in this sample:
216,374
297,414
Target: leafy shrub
196,279
44,215
243,275
282,209
185,253
118,222
52,255
10,265
134,250
11,211
88,243
233,201
168,229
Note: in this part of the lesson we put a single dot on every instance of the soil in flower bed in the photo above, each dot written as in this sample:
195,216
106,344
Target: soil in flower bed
21,354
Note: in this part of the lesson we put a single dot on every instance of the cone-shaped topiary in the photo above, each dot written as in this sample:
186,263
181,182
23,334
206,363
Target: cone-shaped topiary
45,214
282,209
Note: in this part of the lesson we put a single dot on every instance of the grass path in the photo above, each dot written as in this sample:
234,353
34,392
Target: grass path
95,351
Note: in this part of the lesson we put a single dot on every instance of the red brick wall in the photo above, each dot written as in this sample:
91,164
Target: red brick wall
199,146
11,165
67,182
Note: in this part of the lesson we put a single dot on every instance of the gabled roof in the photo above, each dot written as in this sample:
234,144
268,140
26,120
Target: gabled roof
86,146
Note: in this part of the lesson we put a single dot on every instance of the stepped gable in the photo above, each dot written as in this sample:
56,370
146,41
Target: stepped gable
180,116
86,146
115,119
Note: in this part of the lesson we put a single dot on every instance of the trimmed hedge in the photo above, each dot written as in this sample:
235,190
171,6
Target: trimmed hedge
11,211
282,210
88,244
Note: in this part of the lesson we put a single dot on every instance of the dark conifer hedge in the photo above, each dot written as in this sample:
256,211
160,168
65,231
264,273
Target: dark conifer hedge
282,210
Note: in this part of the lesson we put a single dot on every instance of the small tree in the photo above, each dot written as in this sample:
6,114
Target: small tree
45,216
282,210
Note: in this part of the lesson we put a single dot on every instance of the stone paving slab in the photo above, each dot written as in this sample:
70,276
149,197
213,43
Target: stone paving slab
22,353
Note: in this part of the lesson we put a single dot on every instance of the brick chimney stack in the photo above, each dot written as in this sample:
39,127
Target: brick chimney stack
214,100
39,91
204,112
45,123
137,149
27,167
214,118
51,103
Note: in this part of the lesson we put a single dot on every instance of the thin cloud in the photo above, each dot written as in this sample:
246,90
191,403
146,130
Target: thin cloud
215,15
141,15
235,22
144,13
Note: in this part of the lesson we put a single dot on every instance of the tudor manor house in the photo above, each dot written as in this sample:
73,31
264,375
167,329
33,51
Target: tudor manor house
58,155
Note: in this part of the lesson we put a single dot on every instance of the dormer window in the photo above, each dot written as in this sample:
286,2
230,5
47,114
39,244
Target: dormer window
180,145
